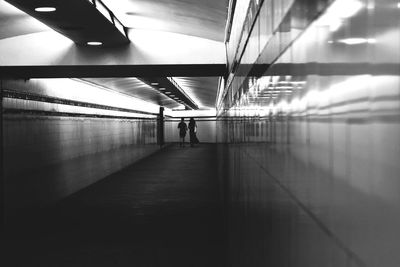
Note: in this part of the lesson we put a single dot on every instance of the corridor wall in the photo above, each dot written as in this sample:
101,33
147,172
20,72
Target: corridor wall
55,144
311,116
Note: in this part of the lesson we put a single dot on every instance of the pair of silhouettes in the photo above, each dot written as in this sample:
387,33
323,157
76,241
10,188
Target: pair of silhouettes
183,128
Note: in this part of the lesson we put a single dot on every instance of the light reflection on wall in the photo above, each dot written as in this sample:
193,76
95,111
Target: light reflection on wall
80,90
324,121
338,12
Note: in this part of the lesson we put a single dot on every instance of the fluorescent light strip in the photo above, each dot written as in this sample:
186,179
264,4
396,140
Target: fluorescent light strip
355,41
45,9
94,43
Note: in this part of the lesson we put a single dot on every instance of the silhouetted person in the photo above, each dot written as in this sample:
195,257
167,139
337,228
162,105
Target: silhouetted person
192,132
182,132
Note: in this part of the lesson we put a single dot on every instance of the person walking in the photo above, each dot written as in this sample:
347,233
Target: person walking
182,132
192,132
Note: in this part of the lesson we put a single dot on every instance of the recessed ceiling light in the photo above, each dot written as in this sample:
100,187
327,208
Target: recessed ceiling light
94,43
162,88
167,93
171,95
45,9
154,83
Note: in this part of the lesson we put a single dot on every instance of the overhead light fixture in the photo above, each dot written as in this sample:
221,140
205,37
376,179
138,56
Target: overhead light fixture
162,88
297,83
94,43
154,83
45,9
171,95
355,41
167,93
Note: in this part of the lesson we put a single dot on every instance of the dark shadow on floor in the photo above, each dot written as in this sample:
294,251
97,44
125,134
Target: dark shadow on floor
162,211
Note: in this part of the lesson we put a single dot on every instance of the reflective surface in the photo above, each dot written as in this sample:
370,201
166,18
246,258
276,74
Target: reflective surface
204,18
53,149
313,179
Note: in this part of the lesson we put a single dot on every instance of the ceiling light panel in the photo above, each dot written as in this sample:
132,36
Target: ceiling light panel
80,21
94,43
45,9
168,87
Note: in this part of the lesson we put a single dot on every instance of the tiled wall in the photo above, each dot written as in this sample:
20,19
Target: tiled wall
312,173
49,156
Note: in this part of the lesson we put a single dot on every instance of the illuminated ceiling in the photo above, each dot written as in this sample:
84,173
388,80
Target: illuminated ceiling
200,89
202,19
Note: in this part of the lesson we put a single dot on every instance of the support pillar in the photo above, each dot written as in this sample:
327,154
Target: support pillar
160,127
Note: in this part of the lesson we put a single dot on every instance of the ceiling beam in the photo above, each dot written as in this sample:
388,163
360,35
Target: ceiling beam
104,71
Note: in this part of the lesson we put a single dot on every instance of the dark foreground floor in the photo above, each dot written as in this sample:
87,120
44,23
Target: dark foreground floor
162,211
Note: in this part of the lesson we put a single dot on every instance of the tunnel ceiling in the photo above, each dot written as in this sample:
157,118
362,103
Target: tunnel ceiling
14,22
203,88
80,21
200,89
134,87
205,19
201,18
